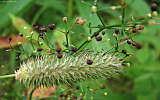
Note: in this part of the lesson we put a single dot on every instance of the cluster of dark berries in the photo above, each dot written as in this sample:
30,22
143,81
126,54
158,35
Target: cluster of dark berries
59,55
98,38
133,43
135,30
43,28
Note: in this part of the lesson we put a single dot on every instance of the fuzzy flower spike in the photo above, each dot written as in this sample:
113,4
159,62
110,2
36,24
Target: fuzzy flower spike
49,70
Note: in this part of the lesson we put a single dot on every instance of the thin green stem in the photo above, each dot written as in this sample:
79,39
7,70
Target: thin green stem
70,6
7,76
30,95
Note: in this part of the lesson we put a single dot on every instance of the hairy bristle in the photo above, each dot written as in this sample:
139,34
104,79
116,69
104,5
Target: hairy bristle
49,70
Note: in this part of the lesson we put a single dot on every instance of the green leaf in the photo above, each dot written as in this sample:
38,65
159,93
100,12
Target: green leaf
13,8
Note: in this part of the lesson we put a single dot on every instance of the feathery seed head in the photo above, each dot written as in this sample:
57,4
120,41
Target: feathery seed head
49,70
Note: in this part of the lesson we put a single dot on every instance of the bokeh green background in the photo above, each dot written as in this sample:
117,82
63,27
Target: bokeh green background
139,82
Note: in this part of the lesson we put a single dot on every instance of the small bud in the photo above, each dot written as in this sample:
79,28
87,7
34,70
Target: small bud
34,25
19,43
102,87
124,51
105,93
89,39
48,51
21,35
94,9
89,62
41,35
59,55
154,7
141,27
80,21
117,31
149,15
115,35
58,50
103,33
77,87
17,58
99,38
74,49
134,30
43,29
25,27
51,26
39,49
64,19
129,42
9,39
96,34
113,7
154,13
138,46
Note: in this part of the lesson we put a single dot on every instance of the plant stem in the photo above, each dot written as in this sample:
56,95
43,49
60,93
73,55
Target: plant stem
30,95
67,38
70,5
7,76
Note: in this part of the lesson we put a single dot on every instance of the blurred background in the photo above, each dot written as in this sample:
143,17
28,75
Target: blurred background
141,81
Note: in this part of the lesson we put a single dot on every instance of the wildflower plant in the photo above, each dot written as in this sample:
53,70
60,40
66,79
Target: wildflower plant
66,64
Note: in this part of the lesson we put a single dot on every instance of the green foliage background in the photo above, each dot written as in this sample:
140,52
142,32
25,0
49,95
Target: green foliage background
140,82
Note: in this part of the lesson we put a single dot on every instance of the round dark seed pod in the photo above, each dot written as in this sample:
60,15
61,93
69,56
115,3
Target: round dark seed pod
103,33
43,29
117,31
89,62
39,49
58,50
74,49
129,42
9,39
59,55
124,51
134,30
154,7
51,26
99,38
96,34
21,35
102,87
141,27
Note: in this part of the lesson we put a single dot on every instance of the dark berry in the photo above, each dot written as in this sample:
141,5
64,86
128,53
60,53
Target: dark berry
58,50
21,35
134,30
103,33
41,35
89,62
43,29
102,87
129,42
17,58
51,26
99,38
117,31
74,49
39,49
34,25
134,43
138,46
96,34
77,87
59,56
124,51
9,39
65,95
141,27
61,95
154,7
